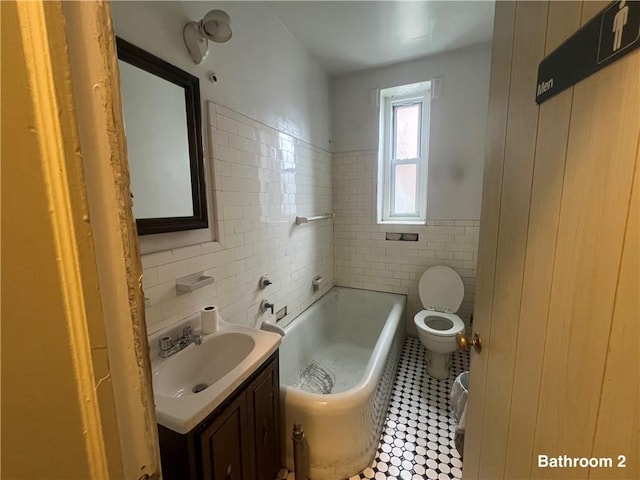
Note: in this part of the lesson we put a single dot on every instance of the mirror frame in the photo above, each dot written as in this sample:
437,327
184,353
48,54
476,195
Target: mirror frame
144,60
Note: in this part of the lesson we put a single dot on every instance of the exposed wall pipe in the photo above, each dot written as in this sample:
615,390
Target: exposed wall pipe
299,466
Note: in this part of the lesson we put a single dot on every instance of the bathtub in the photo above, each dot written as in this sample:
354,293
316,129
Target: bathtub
348,344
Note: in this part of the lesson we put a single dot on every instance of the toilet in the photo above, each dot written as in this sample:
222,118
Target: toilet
441,291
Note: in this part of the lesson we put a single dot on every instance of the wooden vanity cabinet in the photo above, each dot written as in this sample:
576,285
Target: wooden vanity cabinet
240,440
263,405
224,444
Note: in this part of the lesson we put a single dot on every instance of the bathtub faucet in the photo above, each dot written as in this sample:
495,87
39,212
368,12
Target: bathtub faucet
272,327
266,305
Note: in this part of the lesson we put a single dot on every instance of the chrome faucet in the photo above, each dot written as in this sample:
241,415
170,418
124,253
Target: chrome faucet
169,346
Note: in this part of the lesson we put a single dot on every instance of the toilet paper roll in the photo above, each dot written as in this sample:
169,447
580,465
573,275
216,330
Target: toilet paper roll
209,319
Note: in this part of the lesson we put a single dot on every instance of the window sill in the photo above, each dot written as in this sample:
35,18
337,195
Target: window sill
402,222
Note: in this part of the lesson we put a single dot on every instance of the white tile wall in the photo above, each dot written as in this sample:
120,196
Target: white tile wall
365,259
262,178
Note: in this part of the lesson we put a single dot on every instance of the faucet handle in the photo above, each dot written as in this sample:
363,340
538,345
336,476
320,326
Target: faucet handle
187,331
166,343
264,282
266,305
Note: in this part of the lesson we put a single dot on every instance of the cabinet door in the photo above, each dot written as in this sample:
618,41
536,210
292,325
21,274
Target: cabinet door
264,406
223,445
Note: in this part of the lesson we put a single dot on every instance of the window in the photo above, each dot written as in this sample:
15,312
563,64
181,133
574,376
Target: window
403,153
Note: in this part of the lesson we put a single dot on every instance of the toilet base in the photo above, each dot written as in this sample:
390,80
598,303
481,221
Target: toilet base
438,364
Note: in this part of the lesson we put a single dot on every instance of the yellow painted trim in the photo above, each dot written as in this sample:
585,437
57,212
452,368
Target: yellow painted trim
38,41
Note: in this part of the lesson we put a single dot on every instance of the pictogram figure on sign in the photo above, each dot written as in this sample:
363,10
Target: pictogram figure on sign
619,21
607,37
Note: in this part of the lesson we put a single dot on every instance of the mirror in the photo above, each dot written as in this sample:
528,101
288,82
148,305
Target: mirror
162,117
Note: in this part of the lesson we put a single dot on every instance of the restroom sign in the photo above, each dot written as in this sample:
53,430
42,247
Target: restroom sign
611,34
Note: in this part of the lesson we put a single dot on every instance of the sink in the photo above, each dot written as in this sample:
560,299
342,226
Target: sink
190,384
203,365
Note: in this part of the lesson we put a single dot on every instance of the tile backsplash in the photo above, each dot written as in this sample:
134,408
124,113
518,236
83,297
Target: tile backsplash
366,259
260,179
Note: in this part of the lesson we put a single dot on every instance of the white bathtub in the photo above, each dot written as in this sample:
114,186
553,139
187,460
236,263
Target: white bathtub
356,335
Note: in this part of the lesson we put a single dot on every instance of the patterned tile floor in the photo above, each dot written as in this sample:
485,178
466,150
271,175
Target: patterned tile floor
417,439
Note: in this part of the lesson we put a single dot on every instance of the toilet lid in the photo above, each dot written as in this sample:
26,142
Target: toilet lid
441,287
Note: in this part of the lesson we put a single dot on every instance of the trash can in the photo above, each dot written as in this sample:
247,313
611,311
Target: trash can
458,398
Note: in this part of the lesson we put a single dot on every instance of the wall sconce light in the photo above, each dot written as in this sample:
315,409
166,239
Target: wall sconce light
215,26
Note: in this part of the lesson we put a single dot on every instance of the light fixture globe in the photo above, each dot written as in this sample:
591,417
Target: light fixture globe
215,26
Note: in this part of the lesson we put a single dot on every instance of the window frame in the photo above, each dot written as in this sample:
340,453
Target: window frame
390,99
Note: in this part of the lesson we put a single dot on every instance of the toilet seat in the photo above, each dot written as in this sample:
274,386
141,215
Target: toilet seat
421,321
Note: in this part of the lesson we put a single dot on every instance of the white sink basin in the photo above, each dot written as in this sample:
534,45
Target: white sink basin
190,384
202,366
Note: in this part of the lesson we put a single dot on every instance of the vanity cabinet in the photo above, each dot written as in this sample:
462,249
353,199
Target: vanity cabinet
224,446
240,440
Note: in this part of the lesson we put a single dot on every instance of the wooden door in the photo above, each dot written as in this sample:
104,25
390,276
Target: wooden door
557,301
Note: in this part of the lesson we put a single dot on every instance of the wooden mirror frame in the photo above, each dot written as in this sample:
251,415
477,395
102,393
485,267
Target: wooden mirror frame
150,63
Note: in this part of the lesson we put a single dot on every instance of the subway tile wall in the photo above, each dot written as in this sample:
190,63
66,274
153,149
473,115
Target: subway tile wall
261,178
365,259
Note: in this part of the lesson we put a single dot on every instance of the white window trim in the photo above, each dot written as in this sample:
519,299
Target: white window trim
389,98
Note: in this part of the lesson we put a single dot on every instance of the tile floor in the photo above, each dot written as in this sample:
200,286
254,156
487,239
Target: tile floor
417,439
